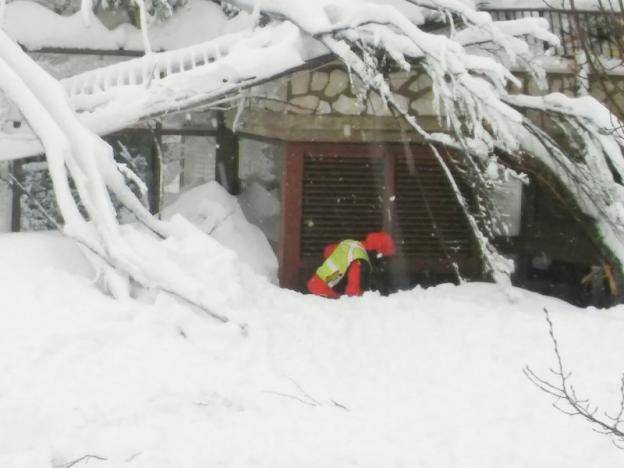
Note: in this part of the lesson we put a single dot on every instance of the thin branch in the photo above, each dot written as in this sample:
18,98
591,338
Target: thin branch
564,391
292,397
81,459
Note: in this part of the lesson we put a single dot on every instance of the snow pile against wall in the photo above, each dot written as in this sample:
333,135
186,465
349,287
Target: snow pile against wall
428,378
262,208
35,26
214,211
260,168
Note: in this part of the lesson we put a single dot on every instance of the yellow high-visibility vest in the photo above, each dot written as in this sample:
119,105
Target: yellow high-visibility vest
336,265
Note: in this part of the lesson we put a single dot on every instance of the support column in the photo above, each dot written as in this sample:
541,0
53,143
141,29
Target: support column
155,189
16,206
226,170
290,229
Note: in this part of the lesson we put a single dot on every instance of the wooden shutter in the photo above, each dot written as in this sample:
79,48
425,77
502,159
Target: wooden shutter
429,223
339,191
342,198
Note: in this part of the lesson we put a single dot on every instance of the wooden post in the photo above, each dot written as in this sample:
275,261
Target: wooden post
154,193
389,189
290,229
16,206
226,170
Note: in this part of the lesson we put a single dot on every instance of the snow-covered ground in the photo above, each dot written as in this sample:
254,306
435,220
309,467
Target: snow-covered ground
214,211
424,378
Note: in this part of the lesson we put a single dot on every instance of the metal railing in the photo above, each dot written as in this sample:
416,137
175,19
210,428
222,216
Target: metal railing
600,32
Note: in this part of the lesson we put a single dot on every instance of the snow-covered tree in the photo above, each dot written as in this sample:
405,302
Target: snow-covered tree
469,67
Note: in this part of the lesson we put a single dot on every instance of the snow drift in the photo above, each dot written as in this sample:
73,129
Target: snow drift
427,378
215,212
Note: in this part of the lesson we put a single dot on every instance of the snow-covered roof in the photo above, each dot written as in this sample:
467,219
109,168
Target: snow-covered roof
35,27
546,4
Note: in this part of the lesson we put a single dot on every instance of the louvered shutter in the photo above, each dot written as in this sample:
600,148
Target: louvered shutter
339,191
342,199
429,223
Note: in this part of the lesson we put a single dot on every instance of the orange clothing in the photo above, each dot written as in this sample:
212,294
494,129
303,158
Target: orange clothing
375,241
354,288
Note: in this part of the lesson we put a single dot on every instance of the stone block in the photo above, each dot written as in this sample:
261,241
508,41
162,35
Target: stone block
319,81
300,83
305,104
376,105
420,83
397,80
338,83
348,106
276,89
272,105
324,108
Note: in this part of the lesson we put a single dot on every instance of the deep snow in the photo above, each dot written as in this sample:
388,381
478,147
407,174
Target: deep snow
427,378
214,211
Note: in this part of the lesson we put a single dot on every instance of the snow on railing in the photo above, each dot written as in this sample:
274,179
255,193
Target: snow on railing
156,66
114,97
601,31
148,68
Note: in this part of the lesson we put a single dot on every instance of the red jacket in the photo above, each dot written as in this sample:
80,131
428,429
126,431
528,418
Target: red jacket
379,242
354,279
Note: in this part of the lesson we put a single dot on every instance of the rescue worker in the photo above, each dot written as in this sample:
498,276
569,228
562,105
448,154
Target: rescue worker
348,267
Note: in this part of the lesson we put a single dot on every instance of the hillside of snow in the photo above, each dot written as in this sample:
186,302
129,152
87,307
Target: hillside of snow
423,378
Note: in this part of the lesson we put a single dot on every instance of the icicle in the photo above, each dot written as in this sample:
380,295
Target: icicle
86,11
143,20
255,15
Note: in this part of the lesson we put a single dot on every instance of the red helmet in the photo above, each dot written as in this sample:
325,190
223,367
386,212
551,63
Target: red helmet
380,242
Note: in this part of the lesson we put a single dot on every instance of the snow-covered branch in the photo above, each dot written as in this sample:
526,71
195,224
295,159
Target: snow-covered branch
470,93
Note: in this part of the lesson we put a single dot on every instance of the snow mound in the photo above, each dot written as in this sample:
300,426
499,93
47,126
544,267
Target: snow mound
262,208
428,378
217,213
35,26
30,251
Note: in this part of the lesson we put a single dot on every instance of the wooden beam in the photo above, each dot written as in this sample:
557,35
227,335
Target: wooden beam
289,250
227,155
16,206
154,192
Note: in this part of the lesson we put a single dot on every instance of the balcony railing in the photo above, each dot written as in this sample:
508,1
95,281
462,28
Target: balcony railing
598,32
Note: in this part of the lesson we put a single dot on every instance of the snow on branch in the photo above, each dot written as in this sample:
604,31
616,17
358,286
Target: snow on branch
467,88
592,168
71,149
470,93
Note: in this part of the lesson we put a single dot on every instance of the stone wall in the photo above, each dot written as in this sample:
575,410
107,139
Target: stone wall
330,91
325,105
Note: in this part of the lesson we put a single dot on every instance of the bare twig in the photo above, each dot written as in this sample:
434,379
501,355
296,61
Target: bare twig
305,398
81,459
564,392
292,397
